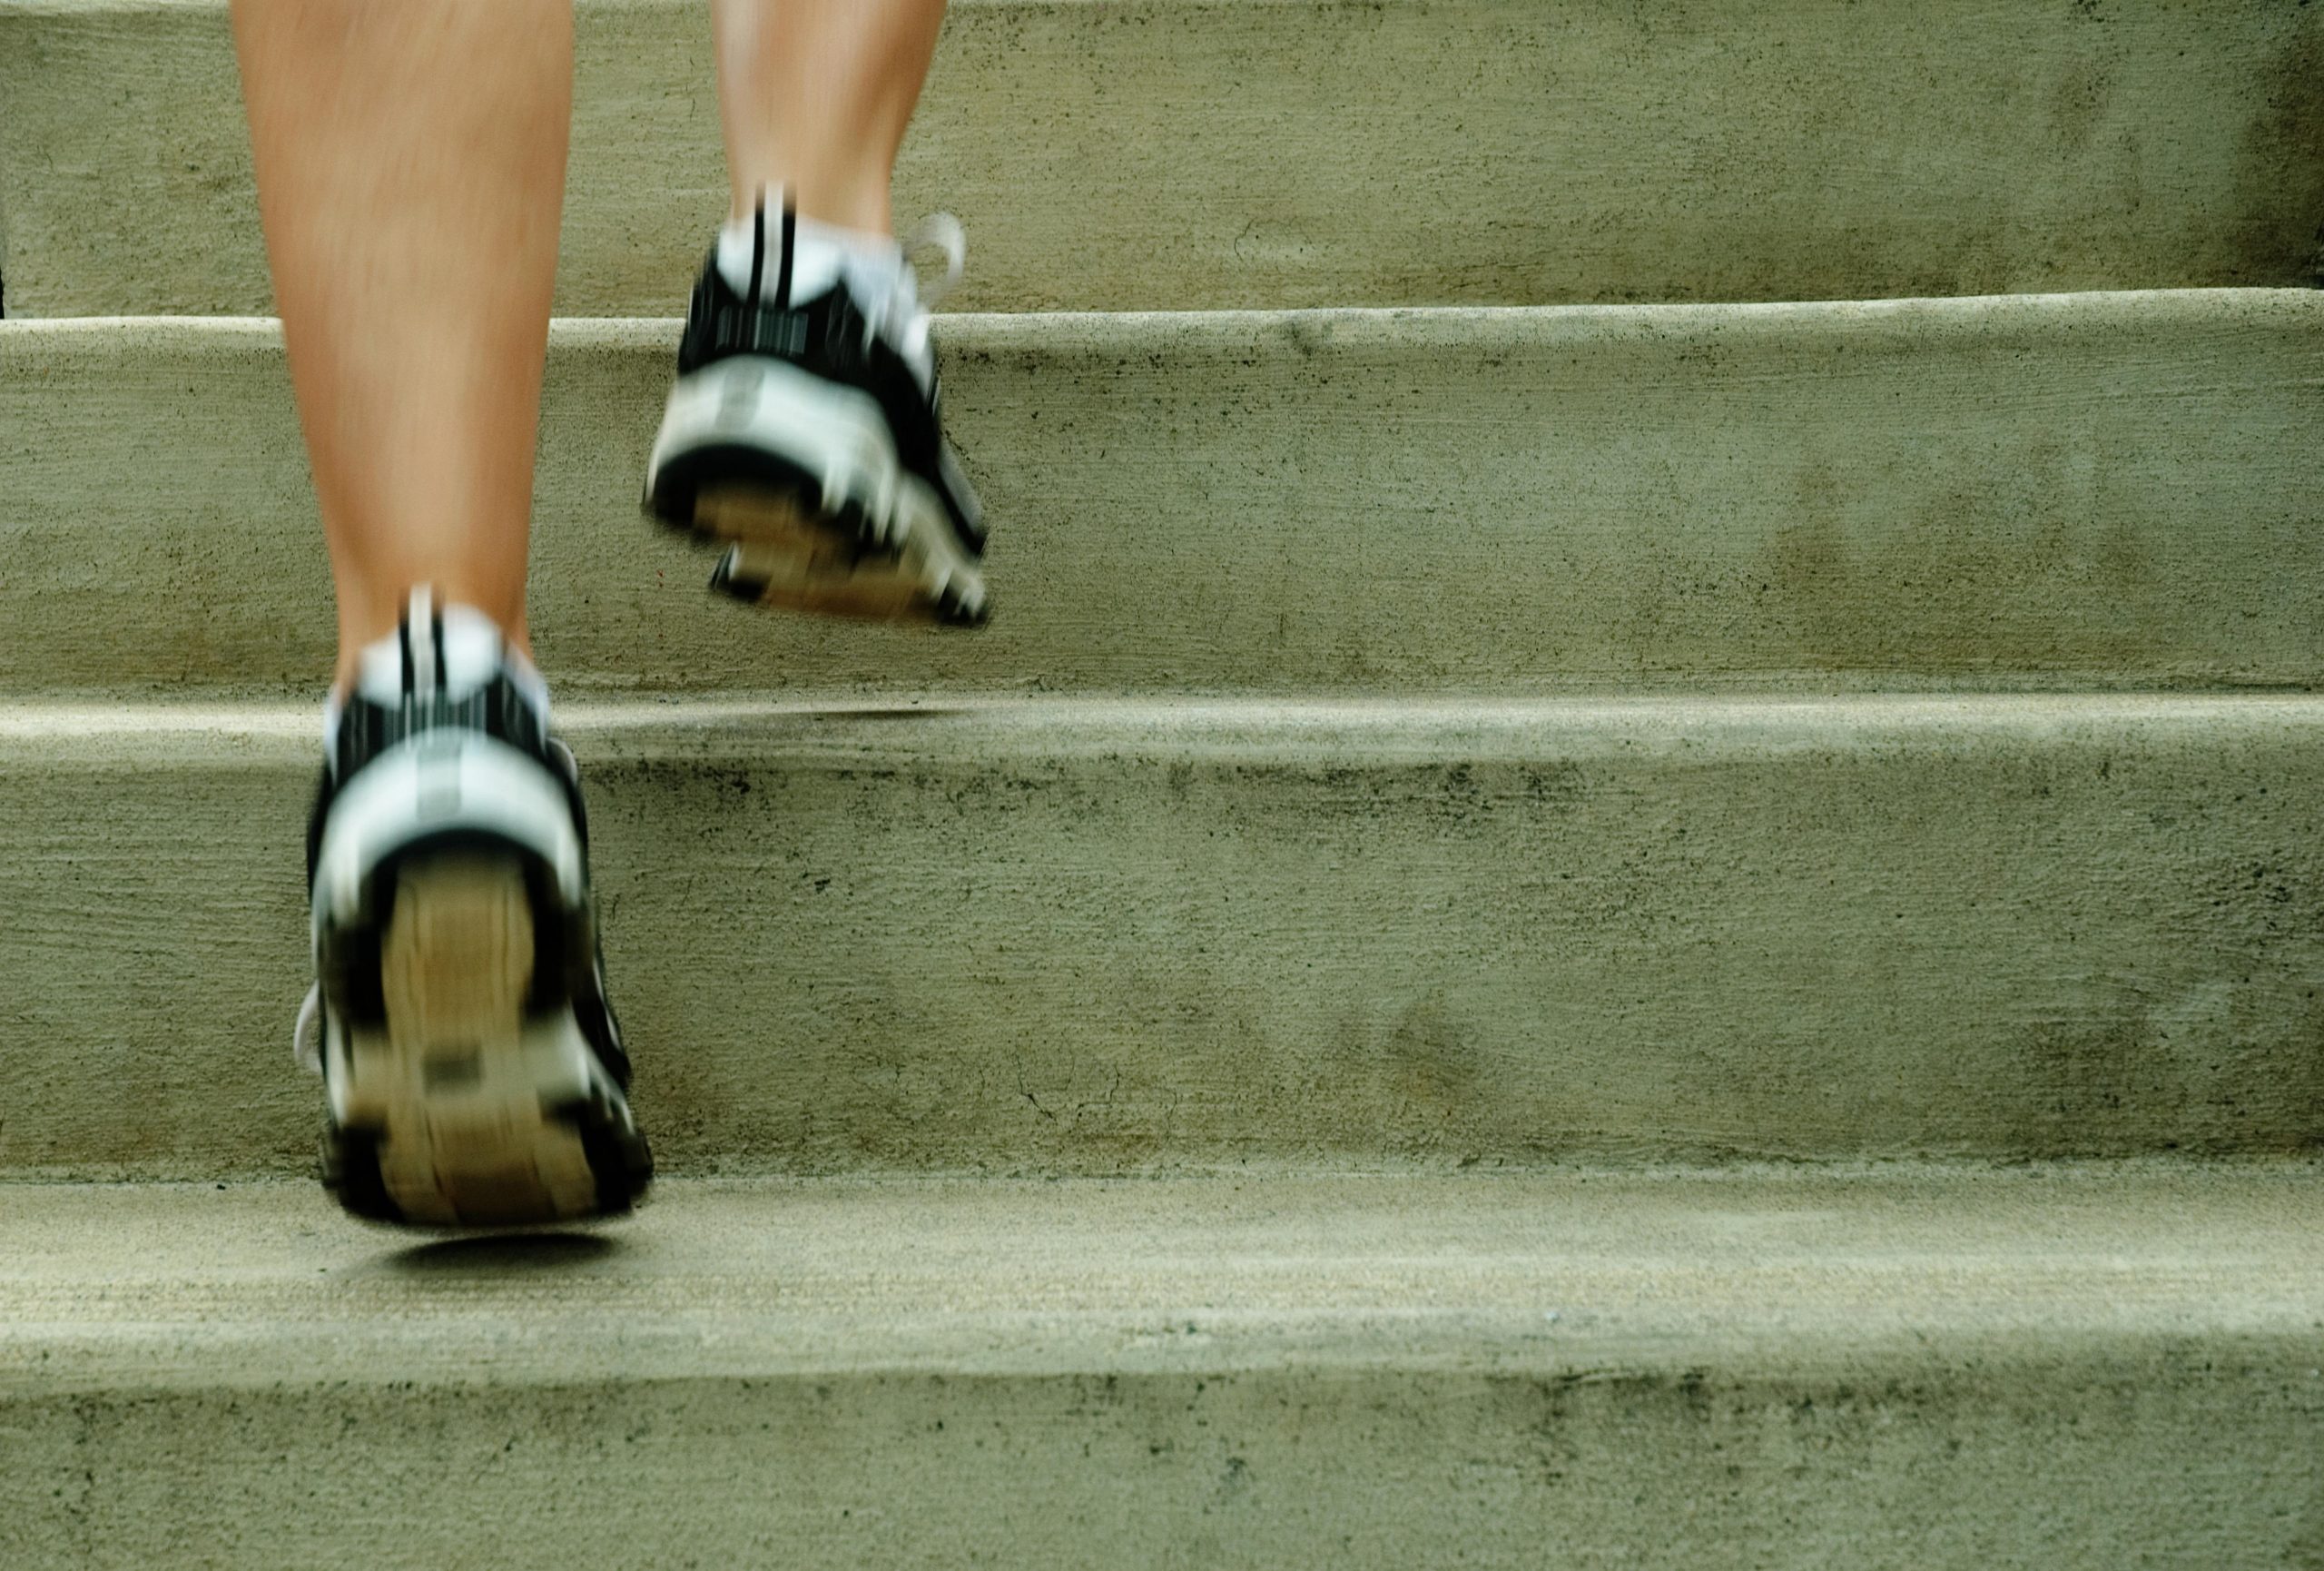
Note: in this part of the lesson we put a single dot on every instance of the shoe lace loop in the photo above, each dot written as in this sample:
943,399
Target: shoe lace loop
306,1035
940,231
937,232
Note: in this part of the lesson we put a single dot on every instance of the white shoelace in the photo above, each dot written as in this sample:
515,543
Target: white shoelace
937,231
306,1035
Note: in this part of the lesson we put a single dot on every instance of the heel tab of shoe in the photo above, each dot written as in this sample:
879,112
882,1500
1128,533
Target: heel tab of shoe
440,650
420,632
786,246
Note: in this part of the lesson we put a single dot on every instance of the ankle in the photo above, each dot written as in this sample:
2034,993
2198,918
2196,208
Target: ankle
857,200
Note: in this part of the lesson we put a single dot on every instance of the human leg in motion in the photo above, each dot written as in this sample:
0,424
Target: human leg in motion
803,434
815,96
410,160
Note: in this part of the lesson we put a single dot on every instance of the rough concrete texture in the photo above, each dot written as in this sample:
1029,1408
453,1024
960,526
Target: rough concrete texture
1050,937
2096,490
1197,153
2080,1367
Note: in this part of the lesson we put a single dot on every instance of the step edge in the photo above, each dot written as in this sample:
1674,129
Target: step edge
32,721
976,330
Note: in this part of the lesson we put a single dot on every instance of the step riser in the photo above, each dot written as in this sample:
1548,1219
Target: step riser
2098,491
1101,944
1169,154
2084,1465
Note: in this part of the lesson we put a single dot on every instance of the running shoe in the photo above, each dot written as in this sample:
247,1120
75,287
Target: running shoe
473,1068
804,436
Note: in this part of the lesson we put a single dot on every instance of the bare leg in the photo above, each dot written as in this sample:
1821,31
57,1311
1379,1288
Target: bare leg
410,162
816,94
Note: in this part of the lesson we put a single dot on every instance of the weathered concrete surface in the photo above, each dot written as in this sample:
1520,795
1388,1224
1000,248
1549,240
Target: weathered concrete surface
1051,937
2098,491
1198,153
2078,1367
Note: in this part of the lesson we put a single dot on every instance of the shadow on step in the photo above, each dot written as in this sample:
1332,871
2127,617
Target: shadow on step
502,1253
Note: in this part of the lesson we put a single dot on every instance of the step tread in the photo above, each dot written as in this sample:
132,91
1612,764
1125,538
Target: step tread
1896,1370
1758,1272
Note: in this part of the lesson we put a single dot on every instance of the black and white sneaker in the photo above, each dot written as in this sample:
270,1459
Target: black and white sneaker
474,1069
803,434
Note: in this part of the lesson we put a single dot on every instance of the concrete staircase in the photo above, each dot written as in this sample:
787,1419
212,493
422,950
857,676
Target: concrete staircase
1548,930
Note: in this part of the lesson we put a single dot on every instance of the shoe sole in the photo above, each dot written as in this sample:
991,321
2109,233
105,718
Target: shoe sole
468,1104
797,479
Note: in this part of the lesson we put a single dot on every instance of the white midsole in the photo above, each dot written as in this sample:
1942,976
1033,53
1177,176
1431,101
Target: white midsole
446,782
930,541
837,434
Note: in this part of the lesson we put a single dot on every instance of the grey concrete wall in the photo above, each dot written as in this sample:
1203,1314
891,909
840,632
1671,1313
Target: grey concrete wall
1193,153
1068,937
2088,490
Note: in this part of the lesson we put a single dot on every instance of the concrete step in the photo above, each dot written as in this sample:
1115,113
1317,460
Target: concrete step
1193,153
1052,936
2088,490
2105,1368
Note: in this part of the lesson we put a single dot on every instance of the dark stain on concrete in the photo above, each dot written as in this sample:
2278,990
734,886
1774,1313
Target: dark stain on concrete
1431,1065
2079,100
2279,187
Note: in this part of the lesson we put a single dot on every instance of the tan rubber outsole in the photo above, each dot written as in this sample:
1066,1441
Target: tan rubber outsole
464,1138
784,553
